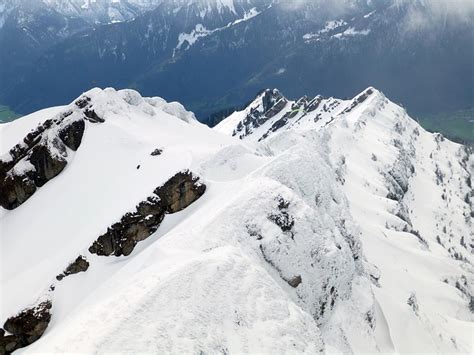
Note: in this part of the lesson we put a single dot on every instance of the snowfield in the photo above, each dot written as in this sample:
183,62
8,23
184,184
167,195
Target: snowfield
327,226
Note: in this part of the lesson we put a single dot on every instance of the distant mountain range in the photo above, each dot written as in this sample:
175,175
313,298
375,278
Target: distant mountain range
90,11
215,54
31,28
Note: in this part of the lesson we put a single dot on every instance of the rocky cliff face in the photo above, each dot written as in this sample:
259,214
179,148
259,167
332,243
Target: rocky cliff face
175,195
43,153
37,160
266,105
79,265
25,328
271,112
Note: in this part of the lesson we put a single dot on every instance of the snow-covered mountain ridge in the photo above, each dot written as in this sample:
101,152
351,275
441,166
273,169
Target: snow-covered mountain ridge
91,11
330,225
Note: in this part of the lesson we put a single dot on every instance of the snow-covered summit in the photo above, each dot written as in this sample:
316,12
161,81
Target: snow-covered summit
330,225
271,112
109,102
47,149
410,192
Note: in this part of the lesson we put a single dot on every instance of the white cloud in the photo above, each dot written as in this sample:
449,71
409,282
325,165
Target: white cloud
420,13
332,6
423,14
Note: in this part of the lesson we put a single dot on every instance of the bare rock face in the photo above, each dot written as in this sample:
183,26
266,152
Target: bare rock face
15,189
46,164
156,152
313,104
180,191
9,343
36,160
25,328
92,116
31,322
304,105
275,110
272,102
295,281
176,194
79,265
358,100
71,135
43,153
121,237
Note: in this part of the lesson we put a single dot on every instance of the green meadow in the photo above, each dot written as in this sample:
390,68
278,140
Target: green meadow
457,126
7,115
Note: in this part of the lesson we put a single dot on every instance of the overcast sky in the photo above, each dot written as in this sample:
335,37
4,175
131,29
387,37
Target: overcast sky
424,14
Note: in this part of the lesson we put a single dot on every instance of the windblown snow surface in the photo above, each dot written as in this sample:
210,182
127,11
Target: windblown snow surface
350,231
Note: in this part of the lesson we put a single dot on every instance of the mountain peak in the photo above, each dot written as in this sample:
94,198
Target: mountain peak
129,102
271,112
268,104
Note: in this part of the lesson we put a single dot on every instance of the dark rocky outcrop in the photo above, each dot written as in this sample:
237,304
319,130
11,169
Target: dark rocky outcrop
413,303
92,116
298,106
72,134
9,343
180,191
15,189
302,106
358,100
156,152
272,104
83,101
279,105
282,218
314,103
295,281
79,265
47,165
42,154
277,125
25,328
176,194
270,98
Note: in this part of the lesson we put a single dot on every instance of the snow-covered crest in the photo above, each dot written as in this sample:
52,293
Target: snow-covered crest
130,102
401,187
330,225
